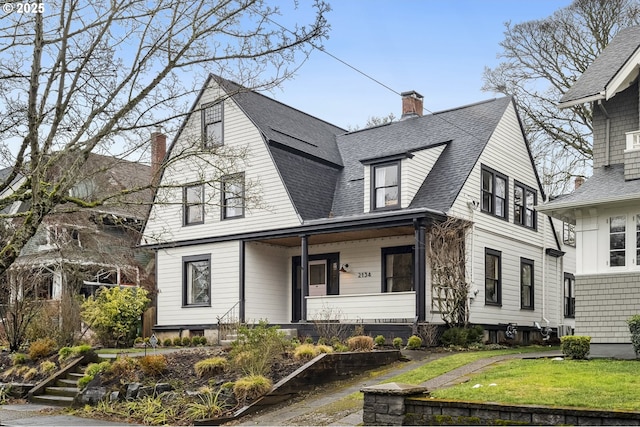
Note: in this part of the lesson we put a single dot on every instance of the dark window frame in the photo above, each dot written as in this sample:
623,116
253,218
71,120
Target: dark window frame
492,193
531,291
210,118
569,300
394,250
524,208
498,280
186,261
398,164
186,205
235,178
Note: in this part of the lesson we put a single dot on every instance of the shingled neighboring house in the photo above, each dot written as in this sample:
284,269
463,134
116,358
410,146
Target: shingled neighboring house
80,250
339,230
606,208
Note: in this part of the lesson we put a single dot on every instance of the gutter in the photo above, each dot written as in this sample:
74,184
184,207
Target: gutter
592,98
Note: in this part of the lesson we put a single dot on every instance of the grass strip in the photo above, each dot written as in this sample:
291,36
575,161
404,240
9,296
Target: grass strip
598,384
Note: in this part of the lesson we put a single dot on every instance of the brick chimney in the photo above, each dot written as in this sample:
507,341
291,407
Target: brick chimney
412,104
578,182
158,151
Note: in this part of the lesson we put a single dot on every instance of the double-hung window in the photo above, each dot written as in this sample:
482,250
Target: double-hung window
397,269
212,125
526,284
233,196
569,234
196,280
569,296
494,192
193,204
385,186
492,277
524,199
617,240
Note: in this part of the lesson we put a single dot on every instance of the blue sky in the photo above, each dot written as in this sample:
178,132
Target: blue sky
438,48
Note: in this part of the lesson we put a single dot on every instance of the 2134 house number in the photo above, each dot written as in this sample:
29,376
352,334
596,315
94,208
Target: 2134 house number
363,275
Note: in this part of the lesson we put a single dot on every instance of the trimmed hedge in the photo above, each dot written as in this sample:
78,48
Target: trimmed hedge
634,328
575,346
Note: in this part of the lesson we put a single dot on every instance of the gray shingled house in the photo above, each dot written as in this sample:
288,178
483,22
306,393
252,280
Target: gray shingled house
310,222
606,208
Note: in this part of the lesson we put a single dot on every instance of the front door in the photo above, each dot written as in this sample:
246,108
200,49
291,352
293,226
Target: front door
318,278
324,279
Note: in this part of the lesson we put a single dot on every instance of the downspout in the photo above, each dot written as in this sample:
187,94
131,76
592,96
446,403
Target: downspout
607,131
544,268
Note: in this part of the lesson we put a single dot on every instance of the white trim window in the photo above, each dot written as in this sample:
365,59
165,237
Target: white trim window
617,240
386,186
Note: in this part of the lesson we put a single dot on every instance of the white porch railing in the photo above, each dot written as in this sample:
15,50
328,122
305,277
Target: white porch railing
392,307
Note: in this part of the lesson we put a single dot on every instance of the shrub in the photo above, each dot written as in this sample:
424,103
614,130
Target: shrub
210,367
82,382
41,348
31,373
19,359
80,350
153,365
251,387
177,341
324,349
634,328
203,340
340,348
186,341
195,340
94,369
397,343
575,346
47,367
262,346
414,342
211,405
125,368
379,340
462,337
138,340
360,343
167,342
305,352
64,353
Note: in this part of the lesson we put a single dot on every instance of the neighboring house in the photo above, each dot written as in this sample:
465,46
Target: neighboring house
606,208
316,223
80,250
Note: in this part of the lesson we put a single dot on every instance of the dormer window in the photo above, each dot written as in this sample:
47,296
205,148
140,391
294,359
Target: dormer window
212,129
385,185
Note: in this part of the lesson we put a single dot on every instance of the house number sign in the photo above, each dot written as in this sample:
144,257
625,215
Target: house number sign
364,274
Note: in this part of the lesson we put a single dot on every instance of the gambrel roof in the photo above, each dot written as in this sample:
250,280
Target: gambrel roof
608,74
321,164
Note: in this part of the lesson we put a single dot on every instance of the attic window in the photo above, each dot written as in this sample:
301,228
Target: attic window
495,188
212,128
385,186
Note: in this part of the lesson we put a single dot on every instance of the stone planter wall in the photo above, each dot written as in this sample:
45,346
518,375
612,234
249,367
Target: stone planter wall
402,404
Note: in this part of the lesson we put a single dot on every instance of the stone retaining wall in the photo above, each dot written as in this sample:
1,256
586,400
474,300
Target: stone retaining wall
402,404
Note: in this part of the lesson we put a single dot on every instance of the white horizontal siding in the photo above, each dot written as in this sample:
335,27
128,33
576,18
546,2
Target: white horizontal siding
267,283
268,206
415,170
224,284
393,306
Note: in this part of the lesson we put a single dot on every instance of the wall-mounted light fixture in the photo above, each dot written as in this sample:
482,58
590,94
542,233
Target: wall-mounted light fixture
344,268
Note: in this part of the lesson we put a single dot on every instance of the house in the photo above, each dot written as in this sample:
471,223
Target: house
77,251
286,218
606,208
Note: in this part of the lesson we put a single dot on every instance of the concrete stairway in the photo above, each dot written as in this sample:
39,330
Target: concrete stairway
61,388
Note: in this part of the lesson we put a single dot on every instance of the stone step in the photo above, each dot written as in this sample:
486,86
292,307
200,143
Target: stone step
47,399
74,376
61,391
65,382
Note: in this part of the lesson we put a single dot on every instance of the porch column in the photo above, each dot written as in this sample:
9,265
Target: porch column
304,279
419,263
241,297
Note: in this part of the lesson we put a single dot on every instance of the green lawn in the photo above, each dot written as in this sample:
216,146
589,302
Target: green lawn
598,383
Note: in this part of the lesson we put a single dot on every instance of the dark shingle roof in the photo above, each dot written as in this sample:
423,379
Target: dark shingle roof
607,184
605,67
465,131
